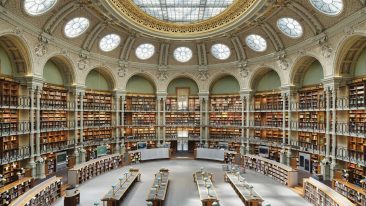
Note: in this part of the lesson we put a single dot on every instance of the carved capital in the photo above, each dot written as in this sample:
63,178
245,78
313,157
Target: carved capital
83,63
203,74
122,68
162,73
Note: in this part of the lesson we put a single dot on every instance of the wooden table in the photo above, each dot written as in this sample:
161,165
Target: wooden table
114,196
207,196
158,190
247,195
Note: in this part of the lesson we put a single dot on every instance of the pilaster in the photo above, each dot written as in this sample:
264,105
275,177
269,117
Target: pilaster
204,110
247,96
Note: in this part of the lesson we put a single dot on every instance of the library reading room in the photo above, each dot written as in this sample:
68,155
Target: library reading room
183,102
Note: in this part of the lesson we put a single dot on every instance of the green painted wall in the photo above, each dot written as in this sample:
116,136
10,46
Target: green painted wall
270,81
183,82
313,75
5,63
52,74
97,81
225,85
137,84
360,69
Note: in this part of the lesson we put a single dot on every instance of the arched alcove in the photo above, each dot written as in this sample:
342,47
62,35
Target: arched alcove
140,85
98,80
268,80
360,66
307,71
183,82
5,63
225,85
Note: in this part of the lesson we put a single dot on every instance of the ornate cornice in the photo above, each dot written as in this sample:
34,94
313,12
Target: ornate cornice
133,16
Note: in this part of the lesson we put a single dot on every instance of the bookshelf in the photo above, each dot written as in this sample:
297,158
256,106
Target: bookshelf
357,93
9,145
9,172
268,101
9,92
311,141
356,173
134,157
53,139
193,104
172,132
138,102
91,134
274,135
141,132
224,133
50,164
314,120
183,118
320,194
227,103
87,170
357,121
10,192
354,193
45,193
311,98
54,97
279,172
356,147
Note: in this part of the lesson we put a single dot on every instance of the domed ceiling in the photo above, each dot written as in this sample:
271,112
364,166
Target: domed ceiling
189,33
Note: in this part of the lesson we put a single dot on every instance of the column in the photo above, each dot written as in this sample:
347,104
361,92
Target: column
201,120
82,150
283,149
242,147
158,120
325,164
76,127
122,146
164,118
32,163
248,99
40,164
117,108
289,99
206,120
333,165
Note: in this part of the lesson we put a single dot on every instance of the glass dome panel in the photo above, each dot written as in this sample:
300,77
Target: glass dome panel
145,51
109,42
256,42
290,27
76,26
329,7
182,54
38,7
220,51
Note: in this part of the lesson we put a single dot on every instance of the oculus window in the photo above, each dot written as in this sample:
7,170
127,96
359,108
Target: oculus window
76,26
220,51
256,42
182,54
109,42
145,51
290,27
38,7
329,7
183,11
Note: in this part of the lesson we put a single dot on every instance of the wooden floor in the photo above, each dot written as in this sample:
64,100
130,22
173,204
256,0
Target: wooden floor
299,190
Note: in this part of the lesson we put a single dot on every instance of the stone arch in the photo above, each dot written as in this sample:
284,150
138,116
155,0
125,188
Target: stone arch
182,75
145,75
259,73
347,52
299,68
65,64
106,73
214,77
18,51
218,77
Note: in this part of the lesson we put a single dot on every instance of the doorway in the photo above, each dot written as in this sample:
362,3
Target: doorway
182,140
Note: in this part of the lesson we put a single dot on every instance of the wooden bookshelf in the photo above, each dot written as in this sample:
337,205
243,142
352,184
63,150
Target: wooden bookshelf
193,104
134,157
50,164
279,172
53,139
183,118
8,145
357,93
10,192
141,132
97,100
314,120
97,119
9,172
9,91
45,193
53,97
320,194
225,119
356,173
140,119
91,134
354,193
138,102
268,101
357,121
85,171
311,141
356,147
311,98
9,119
274,135
225,103
193,132
224,133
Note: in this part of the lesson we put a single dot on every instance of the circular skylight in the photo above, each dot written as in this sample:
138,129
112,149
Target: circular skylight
145,51
220,51
290,27
76,27
109,42
183,11
182,54
256,42
38,7
329,7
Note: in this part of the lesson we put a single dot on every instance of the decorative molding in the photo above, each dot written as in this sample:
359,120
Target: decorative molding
282,60
83,62
122,68
41,48
243,69
203,73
